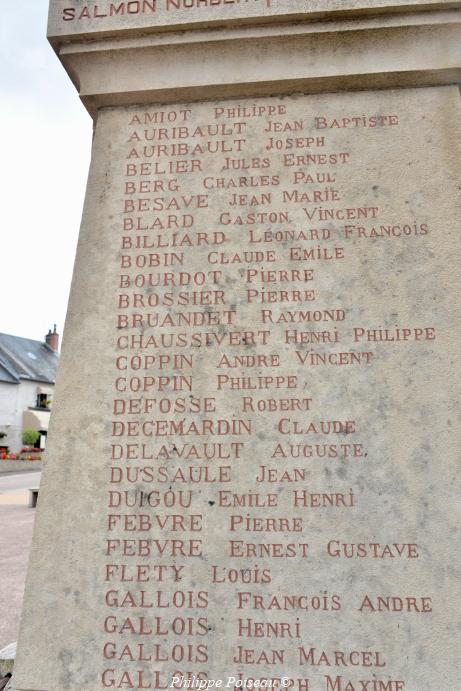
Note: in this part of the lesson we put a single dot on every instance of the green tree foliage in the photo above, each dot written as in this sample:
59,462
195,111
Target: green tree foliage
30,436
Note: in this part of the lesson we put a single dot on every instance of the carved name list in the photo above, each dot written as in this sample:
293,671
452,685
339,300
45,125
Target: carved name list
262,450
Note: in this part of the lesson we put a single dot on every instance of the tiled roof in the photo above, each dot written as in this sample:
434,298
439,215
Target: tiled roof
22,358
6,375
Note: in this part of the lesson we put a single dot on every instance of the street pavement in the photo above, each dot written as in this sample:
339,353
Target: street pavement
16,526
13,486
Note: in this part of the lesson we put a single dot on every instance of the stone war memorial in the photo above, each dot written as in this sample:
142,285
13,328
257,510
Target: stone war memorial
253,465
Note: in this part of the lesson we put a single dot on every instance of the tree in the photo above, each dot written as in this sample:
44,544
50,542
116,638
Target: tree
30,436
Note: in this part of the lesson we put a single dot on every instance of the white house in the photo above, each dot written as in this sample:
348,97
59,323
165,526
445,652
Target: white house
27,378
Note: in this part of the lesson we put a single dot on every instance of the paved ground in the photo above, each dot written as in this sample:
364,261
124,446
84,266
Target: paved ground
14,481
16,525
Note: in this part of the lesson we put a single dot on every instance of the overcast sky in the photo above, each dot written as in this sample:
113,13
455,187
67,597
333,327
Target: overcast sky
45,152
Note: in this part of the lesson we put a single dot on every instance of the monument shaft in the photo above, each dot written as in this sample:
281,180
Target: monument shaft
252,467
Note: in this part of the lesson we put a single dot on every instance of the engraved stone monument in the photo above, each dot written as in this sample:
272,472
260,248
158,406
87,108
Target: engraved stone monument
253,464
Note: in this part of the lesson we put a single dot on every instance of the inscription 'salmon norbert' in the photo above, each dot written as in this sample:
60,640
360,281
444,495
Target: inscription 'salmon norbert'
263,502
93,16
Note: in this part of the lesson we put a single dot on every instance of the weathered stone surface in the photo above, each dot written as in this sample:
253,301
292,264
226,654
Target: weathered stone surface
269,284
72,18
334,54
